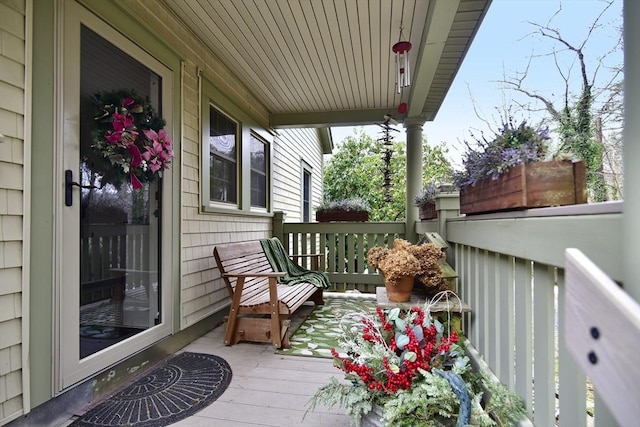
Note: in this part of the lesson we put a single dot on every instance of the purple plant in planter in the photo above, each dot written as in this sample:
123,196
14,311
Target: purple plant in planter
510,146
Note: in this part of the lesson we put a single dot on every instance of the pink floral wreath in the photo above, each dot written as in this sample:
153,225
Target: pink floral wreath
130,139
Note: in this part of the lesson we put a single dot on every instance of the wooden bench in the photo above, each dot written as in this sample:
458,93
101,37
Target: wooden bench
260,306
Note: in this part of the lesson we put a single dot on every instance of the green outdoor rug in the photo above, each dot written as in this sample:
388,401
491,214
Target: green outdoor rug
318,333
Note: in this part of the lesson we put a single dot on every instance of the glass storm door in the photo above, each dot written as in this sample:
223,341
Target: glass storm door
111,282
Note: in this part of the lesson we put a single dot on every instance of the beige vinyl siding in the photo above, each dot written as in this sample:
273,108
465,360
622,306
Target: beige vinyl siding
12,112
291,148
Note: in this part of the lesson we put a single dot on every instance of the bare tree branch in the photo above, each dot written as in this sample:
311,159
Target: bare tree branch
573,117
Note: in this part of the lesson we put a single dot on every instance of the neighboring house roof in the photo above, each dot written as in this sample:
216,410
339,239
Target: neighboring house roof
326,140
329,62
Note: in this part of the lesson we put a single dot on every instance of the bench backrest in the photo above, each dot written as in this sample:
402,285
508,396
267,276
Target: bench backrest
242,257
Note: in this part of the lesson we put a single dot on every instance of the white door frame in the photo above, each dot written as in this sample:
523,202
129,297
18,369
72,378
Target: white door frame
69,369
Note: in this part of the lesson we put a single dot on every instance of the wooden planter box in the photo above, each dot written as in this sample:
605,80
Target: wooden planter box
428,211
525,186
342,216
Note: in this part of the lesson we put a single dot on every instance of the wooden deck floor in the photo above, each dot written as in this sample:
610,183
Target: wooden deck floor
267,389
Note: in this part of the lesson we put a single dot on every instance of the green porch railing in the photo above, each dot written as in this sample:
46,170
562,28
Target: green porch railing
511,273
343,248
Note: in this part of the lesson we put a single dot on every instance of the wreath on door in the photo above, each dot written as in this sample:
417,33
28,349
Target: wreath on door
129,140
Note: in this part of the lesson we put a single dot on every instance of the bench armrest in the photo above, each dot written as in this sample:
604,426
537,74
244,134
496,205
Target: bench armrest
274,274
315,259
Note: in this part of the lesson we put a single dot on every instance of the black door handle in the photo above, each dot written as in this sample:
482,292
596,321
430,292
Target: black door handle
68,187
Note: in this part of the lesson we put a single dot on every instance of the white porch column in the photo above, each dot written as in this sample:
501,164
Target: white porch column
631,148
414,173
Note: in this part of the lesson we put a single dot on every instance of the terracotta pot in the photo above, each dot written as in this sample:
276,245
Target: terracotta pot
401,290
525,186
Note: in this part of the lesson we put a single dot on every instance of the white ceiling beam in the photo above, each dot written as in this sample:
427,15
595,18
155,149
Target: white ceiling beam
433,42
329,118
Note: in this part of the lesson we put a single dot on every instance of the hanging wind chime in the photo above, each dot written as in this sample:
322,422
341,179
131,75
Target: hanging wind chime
403,79
403,68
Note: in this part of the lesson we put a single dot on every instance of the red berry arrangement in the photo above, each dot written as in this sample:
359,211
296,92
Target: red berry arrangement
387,352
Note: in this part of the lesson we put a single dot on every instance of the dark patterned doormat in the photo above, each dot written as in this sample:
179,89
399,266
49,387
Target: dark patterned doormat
170,392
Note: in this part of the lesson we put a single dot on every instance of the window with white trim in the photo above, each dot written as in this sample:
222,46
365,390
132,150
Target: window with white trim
235,157
306,193
259,179
223,158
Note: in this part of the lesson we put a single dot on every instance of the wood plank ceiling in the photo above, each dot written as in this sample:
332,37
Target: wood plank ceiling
316,63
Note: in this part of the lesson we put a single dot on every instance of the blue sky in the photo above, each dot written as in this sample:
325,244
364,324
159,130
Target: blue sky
502,47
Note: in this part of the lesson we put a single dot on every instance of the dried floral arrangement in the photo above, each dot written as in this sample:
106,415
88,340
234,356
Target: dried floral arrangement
413,368
405,258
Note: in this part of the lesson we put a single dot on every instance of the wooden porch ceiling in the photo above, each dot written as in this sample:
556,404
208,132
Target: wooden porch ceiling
316,63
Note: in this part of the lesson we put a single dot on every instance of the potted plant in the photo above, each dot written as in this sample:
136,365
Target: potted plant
350,209
511,171
405,263
426,201
403,368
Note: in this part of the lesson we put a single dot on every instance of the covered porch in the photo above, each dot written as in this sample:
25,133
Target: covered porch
510,269
301,64
510,266
516,290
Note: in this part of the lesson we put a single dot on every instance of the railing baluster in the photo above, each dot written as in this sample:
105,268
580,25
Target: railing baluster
506,321
296,243
350,261
475,296
313,238
324,262
111,248
361,258
122,253
84,251
130,260
482,283
602,414
544,347
94,260
341,253
492,337
524,332
506,370
331,246
572,382
461,267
